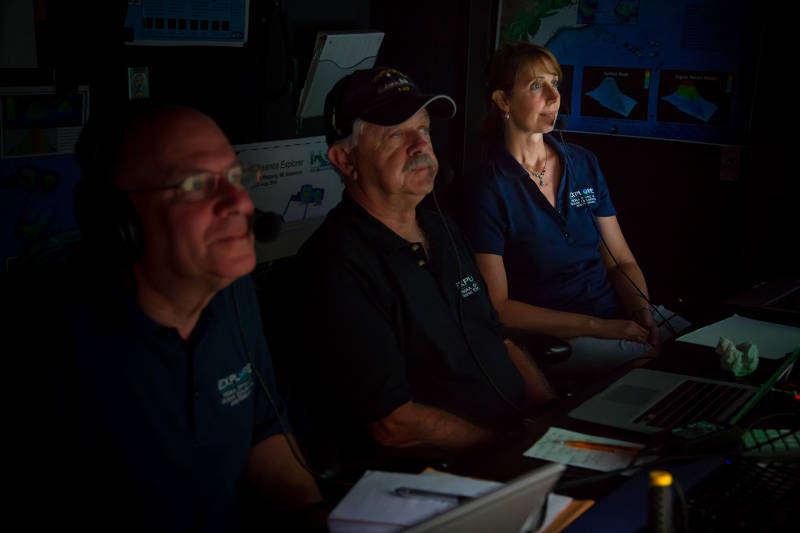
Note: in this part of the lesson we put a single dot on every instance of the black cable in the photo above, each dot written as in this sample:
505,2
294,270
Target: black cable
780,437
684,506
605,245
461,311
773,415
316,475
666,459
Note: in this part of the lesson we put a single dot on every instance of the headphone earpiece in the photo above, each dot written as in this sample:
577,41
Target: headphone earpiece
109,223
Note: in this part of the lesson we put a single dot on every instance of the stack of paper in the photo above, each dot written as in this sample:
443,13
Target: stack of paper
372,505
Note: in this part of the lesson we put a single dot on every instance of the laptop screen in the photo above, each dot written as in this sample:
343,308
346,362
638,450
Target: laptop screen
767,386
507,509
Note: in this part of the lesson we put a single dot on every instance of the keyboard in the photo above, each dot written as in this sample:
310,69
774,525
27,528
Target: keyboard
749,495
772,443
694,401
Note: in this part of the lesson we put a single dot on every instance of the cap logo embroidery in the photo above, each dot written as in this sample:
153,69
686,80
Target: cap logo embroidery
401,85
401,82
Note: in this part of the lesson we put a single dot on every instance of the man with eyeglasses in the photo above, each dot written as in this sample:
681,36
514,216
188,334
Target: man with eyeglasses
178,424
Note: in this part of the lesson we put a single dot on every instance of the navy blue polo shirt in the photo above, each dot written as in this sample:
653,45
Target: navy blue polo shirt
551,254
167,425
380,325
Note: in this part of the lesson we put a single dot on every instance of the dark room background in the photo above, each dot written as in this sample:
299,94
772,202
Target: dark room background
704,221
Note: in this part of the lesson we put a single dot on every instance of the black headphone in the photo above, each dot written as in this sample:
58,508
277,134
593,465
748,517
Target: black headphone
110,226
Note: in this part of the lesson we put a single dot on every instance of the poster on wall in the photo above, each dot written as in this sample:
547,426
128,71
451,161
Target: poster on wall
38,171
298,184
36,121
668,70
188,23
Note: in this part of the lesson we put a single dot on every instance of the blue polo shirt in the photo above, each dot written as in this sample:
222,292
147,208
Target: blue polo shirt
551,254
167,425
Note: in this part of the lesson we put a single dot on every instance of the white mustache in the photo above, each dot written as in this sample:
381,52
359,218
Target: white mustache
419,160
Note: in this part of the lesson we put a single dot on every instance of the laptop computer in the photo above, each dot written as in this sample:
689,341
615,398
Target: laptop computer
652,401
514,507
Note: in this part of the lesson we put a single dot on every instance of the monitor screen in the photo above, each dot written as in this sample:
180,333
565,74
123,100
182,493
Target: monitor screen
678,70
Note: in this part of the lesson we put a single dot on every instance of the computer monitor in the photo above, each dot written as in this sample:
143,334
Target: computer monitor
516,506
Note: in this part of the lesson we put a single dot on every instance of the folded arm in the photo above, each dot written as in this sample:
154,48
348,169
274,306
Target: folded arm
624,273
415,424
277,476
522,316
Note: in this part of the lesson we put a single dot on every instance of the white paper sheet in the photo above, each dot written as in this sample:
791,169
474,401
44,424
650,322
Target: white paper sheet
551,447
371,504
555,504
773,340
372,507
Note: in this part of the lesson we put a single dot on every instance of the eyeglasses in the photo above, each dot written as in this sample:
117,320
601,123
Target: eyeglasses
205,184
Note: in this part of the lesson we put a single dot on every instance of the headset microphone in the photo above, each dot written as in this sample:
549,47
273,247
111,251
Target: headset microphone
266,225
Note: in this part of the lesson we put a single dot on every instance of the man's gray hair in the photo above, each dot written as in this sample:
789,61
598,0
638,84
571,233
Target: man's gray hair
350,142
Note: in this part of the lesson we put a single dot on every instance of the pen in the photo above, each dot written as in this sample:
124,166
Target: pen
600,447
408,492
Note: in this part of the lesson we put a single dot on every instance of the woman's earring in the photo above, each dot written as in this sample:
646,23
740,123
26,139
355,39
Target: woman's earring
506,115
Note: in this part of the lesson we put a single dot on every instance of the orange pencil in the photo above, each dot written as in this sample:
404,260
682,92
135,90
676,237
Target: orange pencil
611,448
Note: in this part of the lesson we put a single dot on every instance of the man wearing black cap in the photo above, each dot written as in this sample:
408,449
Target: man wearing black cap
402,346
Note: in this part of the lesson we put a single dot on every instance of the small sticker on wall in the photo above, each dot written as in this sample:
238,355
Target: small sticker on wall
138,83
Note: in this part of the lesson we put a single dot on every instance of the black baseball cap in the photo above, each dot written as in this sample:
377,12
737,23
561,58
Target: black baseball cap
382,96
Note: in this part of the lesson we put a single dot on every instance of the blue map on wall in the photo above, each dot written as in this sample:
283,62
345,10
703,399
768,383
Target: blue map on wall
677,70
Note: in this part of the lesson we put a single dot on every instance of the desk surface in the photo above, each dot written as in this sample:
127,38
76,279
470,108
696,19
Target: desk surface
677,357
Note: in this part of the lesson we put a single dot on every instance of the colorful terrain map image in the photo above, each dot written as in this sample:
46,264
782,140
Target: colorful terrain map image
676,69
612,92
694,97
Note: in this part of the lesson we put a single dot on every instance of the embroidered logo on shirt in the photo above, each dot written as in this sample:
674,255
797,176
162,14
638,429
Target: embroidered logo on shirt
468,286
236,387
583,197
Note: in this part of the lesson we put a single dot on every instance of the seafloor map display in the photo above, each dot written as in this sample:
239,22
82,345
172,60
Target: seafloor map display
676,69
615,92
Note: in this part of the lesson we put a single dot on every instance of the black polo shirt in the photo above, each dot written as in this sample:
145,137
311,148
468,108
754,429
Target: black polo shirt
381,324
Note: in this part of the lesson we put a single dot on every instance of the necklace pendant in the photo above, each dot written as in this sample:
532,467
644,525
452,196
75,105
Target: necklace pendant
541,182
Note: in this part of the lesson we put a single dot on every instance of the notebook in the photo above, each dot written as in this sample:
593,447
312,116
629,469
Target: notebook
517,506
651,401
